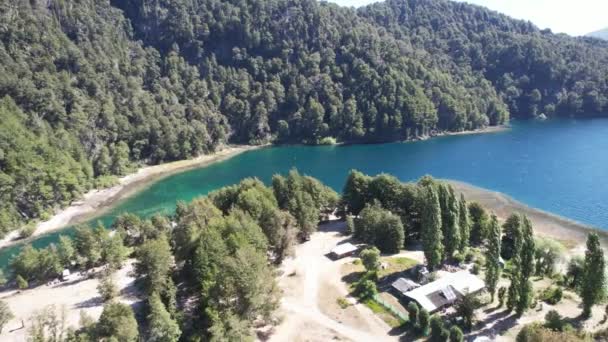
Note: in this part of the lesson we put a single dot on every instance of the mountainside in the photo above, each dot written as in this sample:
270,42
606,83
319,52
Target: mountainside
93,86
601,34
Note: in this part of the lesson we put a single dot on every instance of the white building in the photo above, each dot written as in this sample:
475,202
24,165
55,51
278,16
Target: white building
445,290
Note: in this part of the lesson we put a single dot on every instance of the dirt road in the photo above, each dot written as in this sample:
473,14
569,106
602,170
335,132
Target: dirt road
312,284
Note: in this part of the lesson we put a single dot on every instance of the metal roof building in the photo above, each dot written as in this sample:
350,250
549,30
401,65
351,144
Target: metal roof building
445,290
402,285
343,250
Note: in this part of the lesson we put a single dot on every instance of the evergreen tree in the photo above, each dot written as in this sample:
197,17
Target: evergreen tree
456,334
438,331
594,277
479,223
527,267
493,267
413,313
513,293
370,258
463,224
162,328
431,228
423,321
512,229
451,230
117,322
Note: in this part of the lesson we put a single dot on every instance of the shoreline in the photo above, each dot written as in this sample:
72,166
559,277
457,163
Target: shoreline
97,201
571,233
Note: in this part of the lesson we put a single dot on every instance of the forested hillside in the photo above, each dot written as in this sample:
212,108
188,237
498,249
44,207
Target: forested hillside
93,87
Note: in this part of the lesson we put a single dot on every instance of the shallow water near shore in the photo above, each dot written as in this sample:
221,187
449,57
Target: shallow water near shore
559,166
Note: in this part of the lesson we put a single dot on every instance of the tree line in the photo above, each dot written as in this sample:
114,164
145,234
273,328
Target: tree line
208,270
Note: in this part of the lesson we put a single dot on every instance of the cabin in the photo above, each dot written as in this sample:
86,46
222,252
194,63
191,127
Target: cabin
402,286
343,250
445,291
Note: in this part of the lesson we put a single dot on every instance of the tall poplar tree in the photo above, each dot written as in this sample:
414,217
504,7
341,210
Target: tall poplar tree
527,267
594,277
493,257
451,231
514,287
463,223
431,228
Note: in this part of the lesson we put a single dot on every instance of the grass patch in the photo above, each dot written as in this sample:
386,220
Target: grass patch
383,313
394,265
343,302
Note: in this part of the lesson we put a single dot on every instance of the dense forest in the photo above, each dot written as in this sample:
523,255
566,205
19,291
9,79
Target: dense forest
92,88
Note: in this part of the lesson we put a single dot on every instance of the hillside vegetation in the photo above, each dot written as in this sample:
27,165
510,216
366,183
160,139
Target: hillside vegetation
92,88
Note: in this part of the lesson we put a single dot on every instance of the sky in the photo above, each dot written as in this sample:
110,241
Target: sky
574,17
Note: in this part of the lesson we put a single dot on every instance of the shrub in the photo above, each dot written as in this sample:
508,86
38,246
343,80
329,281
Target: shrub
469,256
343,302
27,231
106,288
366,289
328,141
21,282
553,321
475,269
458,258
552,295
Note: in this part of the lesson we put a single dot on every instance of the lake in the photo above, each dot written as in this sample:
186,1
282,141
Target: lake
559,166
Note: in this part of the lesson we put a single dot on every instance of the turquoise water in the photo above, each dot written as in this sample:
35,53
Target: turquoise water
558,166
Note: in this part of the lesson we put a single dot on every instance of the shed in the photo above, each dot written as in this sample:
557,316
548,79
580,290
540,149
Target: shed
402,286
343,250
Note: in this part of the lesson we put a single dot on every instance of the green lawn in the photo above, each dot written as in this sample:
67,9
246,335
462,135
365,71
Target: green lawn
398,264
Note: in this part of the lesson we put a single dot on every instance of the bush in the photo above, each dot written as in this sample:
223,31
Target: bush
458,258
27,231
21,282
328,141
106,288
475,269
366,289
343,302
469,256
552,295
553,321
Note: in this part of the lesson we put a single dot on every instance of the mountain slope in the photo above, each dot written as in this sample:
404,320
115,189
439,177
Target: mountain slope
102,85
601,34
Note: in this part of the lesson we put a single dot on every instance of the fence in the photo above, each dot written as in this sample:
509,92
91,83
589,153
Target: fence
398,314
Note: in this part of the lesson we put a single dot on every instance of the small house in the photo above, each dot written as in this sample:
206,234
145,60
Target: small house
444,291
343,250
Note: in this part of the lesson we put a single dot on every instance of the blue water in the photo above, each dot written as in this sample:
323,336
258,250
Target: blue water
559,166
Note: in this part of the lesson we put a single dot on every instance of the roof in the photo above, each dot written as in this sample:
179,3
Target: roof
404,285
445,290
344,248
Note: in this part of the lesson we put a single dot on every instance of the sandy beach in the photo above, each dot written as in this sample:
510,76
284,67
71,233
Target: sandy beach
572,234
97,201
